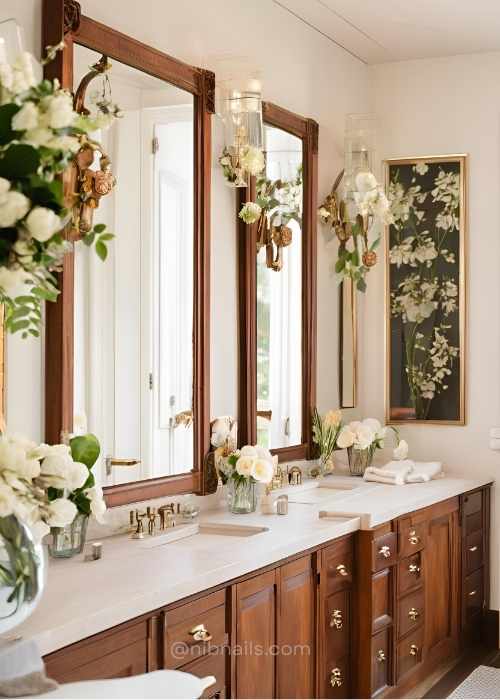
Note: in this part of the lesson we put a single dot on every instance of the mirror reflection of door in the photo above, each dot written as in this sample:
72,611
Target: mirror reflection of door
279,308
134,314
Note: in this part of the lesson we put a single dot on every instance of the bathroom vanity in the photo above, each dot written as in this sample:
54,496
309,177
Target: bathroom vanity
347,605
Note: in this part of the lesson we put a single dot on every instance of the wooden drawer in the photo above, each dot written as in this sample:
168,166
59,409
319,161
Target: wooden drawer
474,551
410,573
382,599
337,564
411,535
380,665
337,624
211,665
472,502
181,642
384,551
338,680
474,595
409,653
410,612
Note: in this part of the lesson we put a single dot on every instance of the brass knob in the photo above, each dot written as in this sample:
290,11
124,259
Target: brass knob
342,571
413,538
336,679
200,633
472,594
413,613
381,657
414,569
385,551
336,619
473,549
413,650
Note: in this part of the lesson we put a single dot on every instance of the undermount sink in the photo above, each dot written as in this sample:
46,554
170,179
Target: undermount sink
321,491
196,529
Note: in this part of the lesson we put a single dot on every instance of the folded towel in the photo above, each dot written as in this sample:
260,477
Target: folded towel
405,471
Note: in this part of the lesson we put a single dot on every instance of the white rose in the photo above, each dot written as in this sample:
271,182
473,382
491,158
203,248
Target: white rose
61,512
401,451
248,451
252,160
55,471
39,529
6,76
42,223
346,438
250,212
24,251
13,458
60,111
364,437
19,82
78,474
44,450
24,65
97,503
64,143
365,181
38,137
373,424
7,500
262,470
14,282
263,453
26,118
13,206
4,188
244,466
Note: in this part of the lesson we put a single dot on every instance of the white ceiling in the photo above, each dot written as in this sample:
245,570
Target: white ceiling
379,31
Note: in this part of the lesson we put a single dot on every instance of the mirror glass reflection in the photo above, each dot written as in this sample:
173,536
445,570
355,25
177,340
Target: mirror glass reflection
348,349
279,300
133,381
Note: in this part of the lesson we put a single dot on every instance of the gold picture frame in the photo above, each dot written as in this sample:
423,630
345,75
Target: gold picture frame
453,412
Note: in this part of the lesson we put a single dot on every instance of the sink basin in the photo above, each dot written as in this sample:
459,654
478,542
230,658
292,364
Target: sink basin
197,529
321,491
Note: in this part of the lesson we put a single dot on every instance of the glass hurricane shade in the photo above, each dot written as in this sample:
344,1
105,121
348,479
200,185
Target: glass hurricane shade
242,117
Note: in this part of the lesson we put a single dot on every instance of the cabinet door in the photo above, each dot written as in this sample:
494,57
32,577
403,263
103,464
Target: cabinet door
296,629
256,637
442,590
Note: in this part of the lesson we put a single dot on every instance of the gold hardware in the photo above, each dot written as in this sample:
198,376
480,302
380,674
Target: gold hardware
151,514
342,571
381,657
200,633
295,476
139,532
473,549
111,462
413,650
166,514
336,679
414,569
413,614
278,478
385,551
472,593
413,538
266,415
336,619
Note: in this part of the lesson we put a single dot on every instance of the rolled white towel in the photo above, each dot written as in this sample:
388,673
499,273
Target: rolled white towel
425,471
395,472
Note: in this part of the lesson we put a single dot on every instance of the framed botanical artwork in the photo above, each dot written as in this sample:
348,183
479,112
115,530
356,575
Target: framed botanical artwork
425,290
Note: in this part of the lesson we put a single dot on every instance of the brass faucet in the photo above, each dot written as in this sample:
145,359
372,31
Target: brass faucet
278,478
295,476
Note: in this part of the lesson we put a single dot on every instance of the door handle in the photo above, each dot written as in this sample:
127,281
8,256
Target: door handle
117,462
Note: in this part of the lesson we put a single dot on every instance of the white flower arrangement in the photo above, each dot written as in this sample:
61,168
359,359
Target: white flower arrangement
369,434
427,291
40,134
250,464
247,160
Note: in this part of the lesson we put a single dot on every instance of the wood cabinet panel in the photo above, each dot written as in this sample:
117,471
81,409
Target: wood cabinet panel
382,595
337,683
336,625
211,665
412,533
474,595
337,565
296,629
385,551
380,661
411,612
409,653
474,551
186,640
256,637
410,573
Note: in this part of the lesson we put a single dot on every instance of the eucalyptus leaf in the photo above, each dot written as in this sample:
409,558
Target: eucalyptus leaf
85,449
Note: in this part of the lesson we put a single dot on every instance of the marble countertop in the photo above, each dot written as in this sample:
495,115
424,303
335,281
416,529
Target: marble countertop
83,598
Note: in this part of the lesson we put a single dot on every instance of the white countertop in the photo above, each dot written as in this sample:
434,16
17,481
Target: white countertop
84,598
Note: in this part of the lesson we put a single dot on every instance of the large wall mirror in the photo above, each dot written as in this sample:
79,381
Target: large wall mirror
278,295
135,370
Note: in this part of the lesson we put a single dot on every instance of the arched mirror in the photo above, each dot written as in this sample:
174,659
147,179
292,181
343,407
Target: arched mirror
132,334
277,284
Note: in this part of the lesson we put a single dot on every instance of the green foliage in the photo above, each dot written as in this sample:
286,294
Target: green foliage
85,449
18,161
7,112
98,236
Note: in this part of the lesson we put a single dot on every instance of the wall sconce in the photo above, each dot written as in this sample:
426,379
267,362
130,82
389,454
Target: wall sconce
241,113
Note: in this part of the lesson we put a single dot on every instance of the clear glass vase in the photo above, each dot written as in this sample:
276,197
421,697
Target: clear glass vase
359,460
241,496
69,540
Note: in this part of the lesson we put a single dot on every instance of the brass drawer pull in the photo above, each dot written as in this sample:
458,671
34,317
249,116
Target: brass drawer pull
473,549
472,593
381,657
336,678
200,633
413,650
336,619
341,570
385,551
414,569
413,614
413,538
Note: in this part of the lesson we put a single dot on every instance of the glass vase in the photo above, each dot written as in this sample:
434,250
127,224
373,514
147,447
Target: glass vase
359,460
241,496
325,465
69,540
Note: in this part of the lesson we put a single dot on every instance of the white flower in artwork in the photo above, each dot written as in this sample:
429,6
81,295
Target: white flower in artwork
401,451
43,223
421,168
26,118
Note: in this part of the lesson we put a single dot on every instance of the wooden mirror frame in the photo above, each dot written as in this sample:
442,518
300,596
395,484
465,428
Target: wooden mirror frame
63,18
307,131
